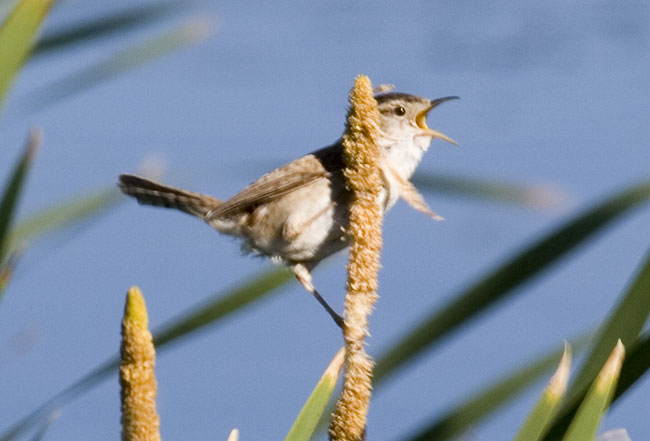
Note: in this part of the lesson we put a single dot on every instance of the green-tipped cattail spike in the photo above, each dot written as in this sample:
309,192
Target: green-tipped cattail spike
362,156
539,419
137,378
586,420
135,311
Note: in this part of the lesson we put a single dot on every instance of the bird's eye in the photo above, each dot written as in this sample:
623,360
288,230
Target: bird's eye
400,111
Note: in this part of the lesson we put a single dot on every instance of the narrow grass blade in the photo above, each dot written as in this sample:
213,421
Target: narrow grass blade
40,434
14,187
539,419
536,196
487,401
624,323
8,267
117,64
585,424
502,282
63,215
105,25
637,364
16,39
305,424
40,414
222,305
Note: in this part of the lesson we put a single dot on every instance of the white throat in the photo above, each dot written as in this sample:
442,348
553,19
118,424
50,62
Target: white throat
405,154
402,156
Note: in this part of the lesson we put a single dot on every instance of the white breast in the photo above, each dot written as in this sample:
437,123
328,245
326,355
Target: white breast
402,156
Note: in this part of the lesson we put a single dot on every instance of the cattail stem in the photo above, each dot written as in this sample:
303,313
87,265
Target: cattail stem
362,157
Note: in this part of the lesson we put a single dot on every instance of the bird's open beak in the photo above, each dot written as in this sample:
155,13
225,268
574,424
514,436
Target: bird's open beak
421,120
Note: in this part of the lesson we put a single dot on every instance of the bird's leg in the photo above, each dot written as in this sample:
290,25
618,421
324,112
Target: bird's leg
304,277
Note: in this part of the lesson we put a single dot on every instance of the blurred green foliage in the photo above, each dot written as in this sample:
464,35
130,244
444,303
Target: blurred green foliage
585,403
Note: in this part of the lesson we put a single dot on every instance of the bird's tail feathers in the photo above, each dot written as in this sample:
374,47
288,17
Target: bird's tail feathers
153,193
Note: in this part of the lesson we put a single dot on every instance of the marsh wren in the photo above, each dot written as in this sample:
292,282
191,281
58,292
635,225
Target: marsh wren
298,214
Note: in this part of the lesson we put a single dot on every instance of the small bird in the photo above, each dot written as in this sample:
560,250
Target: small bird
298,214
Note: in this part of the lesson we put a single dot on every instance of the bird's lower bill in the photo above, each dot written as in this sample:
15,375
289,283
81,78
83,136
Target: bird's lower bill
421,121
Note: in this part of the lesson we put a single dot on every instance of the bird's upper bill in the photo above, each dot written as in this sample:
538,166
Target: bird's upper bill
421,120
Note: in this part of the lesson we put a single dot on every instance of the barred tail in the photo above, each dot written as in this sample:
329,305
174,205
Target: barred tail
152,193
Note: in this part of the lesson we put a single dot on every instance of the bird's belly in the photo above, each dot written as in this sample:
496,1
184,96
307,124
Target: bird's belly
303,226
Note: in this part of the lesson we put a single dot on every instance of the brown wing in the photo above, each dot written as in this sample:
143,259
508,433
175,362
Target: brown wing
273,185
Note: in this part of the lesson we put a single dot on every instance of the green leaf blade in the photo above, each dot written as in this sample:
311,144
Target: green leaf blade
502,282
487,401
104,25
535,196
8,267
539,419
13,190
63,215
637,364
16,39
585,423
116,64
624,323
307,420
219,307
